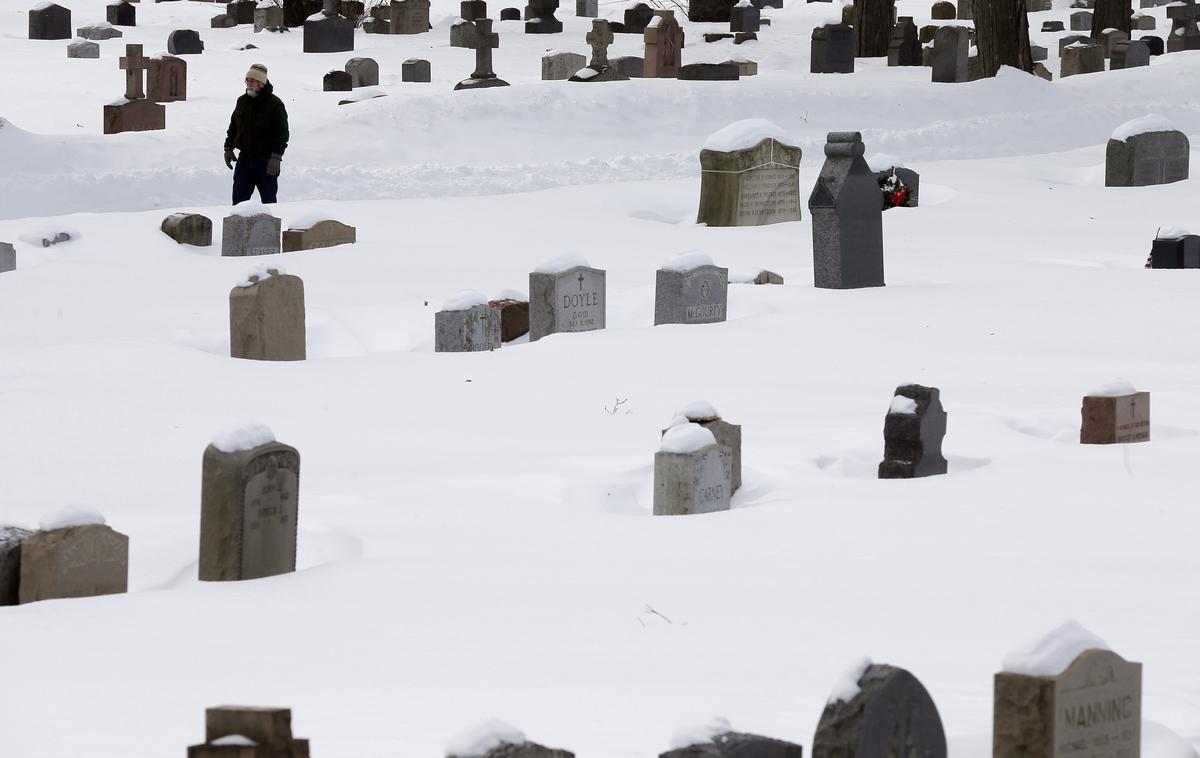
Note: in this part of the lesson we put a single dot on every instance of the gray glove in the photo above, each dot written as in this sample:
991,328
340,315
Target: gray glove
229,159
273,164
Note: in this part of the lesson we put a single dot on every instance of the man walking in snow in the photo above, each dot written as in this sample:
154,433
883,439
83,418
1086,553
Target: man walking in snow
259,131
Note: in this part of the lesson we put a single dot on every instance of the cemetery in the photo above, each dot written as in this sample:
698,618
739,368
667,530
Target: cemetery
785,393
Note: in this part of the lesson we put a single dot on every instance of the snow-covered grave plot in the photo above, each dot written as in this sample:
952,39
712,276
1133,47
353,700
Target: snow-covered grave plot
473,533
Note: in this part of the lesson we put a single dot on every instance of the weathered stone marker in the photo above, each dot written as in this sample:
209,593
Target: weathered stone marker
598,68
912,434
188,229
514,317
1116,416
1146,151
11,538
692,472
847,218
738,745
8,257
664,41
328,233
166,79
235,731
330,33
466,324
746,181
1172,248
266,317
133,113
689,289
890,716
730,435
565,295
254,234
249,505
74,561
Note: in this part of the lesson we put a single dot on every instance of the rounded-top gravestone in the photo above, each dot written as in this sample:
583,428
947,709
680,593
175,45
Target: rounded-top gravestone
891,715
749,176
184,42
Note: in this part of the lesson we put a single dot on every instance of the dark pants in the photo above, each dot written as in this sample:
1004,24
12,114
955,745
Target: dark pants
249,175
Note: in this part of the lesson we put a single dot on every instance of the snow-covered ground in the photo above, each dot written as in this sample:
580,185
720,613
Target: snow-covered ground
475,530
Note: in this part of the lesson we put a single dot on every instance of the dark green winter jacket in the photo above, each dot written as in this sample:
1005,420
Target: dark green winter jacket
259,126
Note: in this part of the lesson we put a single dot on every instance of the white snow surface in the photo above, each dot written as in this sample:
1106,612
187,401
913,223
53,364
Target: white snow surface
744,134
686,438
685,262
1172,232
234,740
465,300
883,162
1054,651
484,737
235,439
475,530
698,409
700,734
1114,388
560,263
902,404
71,515
1142,125
846,687
259,273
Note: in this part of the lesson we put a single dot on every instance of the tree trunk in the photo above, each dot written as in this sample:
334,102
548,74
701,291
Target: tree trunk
1112,14
1002,36
875,19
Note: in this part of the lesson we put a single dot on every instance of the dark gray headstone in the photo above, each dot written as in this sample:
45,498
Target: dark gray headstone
472,9
712,11
744,17
410,16
1185,27
11,538
1153,157
637,17
709,72
891,716
523,750
1155,44
833,49
241,11
951,46
328,34
847,218
364,72
1182,251
121,14
296,12
632,66
8,257
415,70
337,81
738,745
51,21
904,49
1081,58
912,434
510,14
542,19
1052,26
1130,55
184,42
188,229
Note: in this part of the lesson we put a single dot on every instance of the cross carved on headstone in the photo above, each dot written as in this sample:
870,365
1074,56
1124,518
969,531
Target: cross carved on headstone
134,64
581,282
600,37
482,39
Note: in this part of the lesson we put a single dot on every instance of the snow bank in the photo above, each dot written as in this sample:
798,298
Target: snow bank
746,133
483,738
560,263
846,687
902,404
686,438
685,262
883,161
260,273
699,409
1053,652
306,219
71,515
1160,742
1143,125
246,437
700,734
1115,388
465,301
743,275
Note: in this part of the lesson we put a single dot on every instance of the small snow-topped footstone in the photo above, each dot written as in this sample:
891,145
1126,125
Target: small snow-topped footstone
912,434
891,715
737,745
188,229
1114,415
704,415
81,559
248,732
1146,151
1170,249
692,472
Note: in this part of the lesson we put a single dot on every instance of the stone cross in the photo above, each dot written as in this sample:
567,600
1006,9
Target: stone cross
600,37
1185,20
133,64
482,39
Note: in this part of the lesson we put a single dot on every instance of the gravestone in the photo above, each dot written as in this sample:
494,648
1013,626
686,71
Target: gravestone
570,299
8,258
364,72
1185,27
890,716
1052,26
482,40
460,33
83,49
738,745
1081,21
121,14
525,749
166,79
744,67
560,66
1071,39
249,506
1130,55
542,20
1145,152
1115,419
690,295
636,18
184,42
903,48
241,11
751,187
466,327
710,11
710,72
331,32
266,317
257,234
1093,709
587,8
415,70
630,66
188,229
725,433
514,318
1172,249
943,11
50,21
950,54
966,10
410,16
1144,23
327,233
337,81
833,48
1109,39
1155,44
691,476
1081,58
268,731
847,218
133,113
470,10
912,434
744,17
11,538
353,10
75,561
296,12
900,187
664,46
510,14
598,68
98,32
268,17
221,21
926,33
